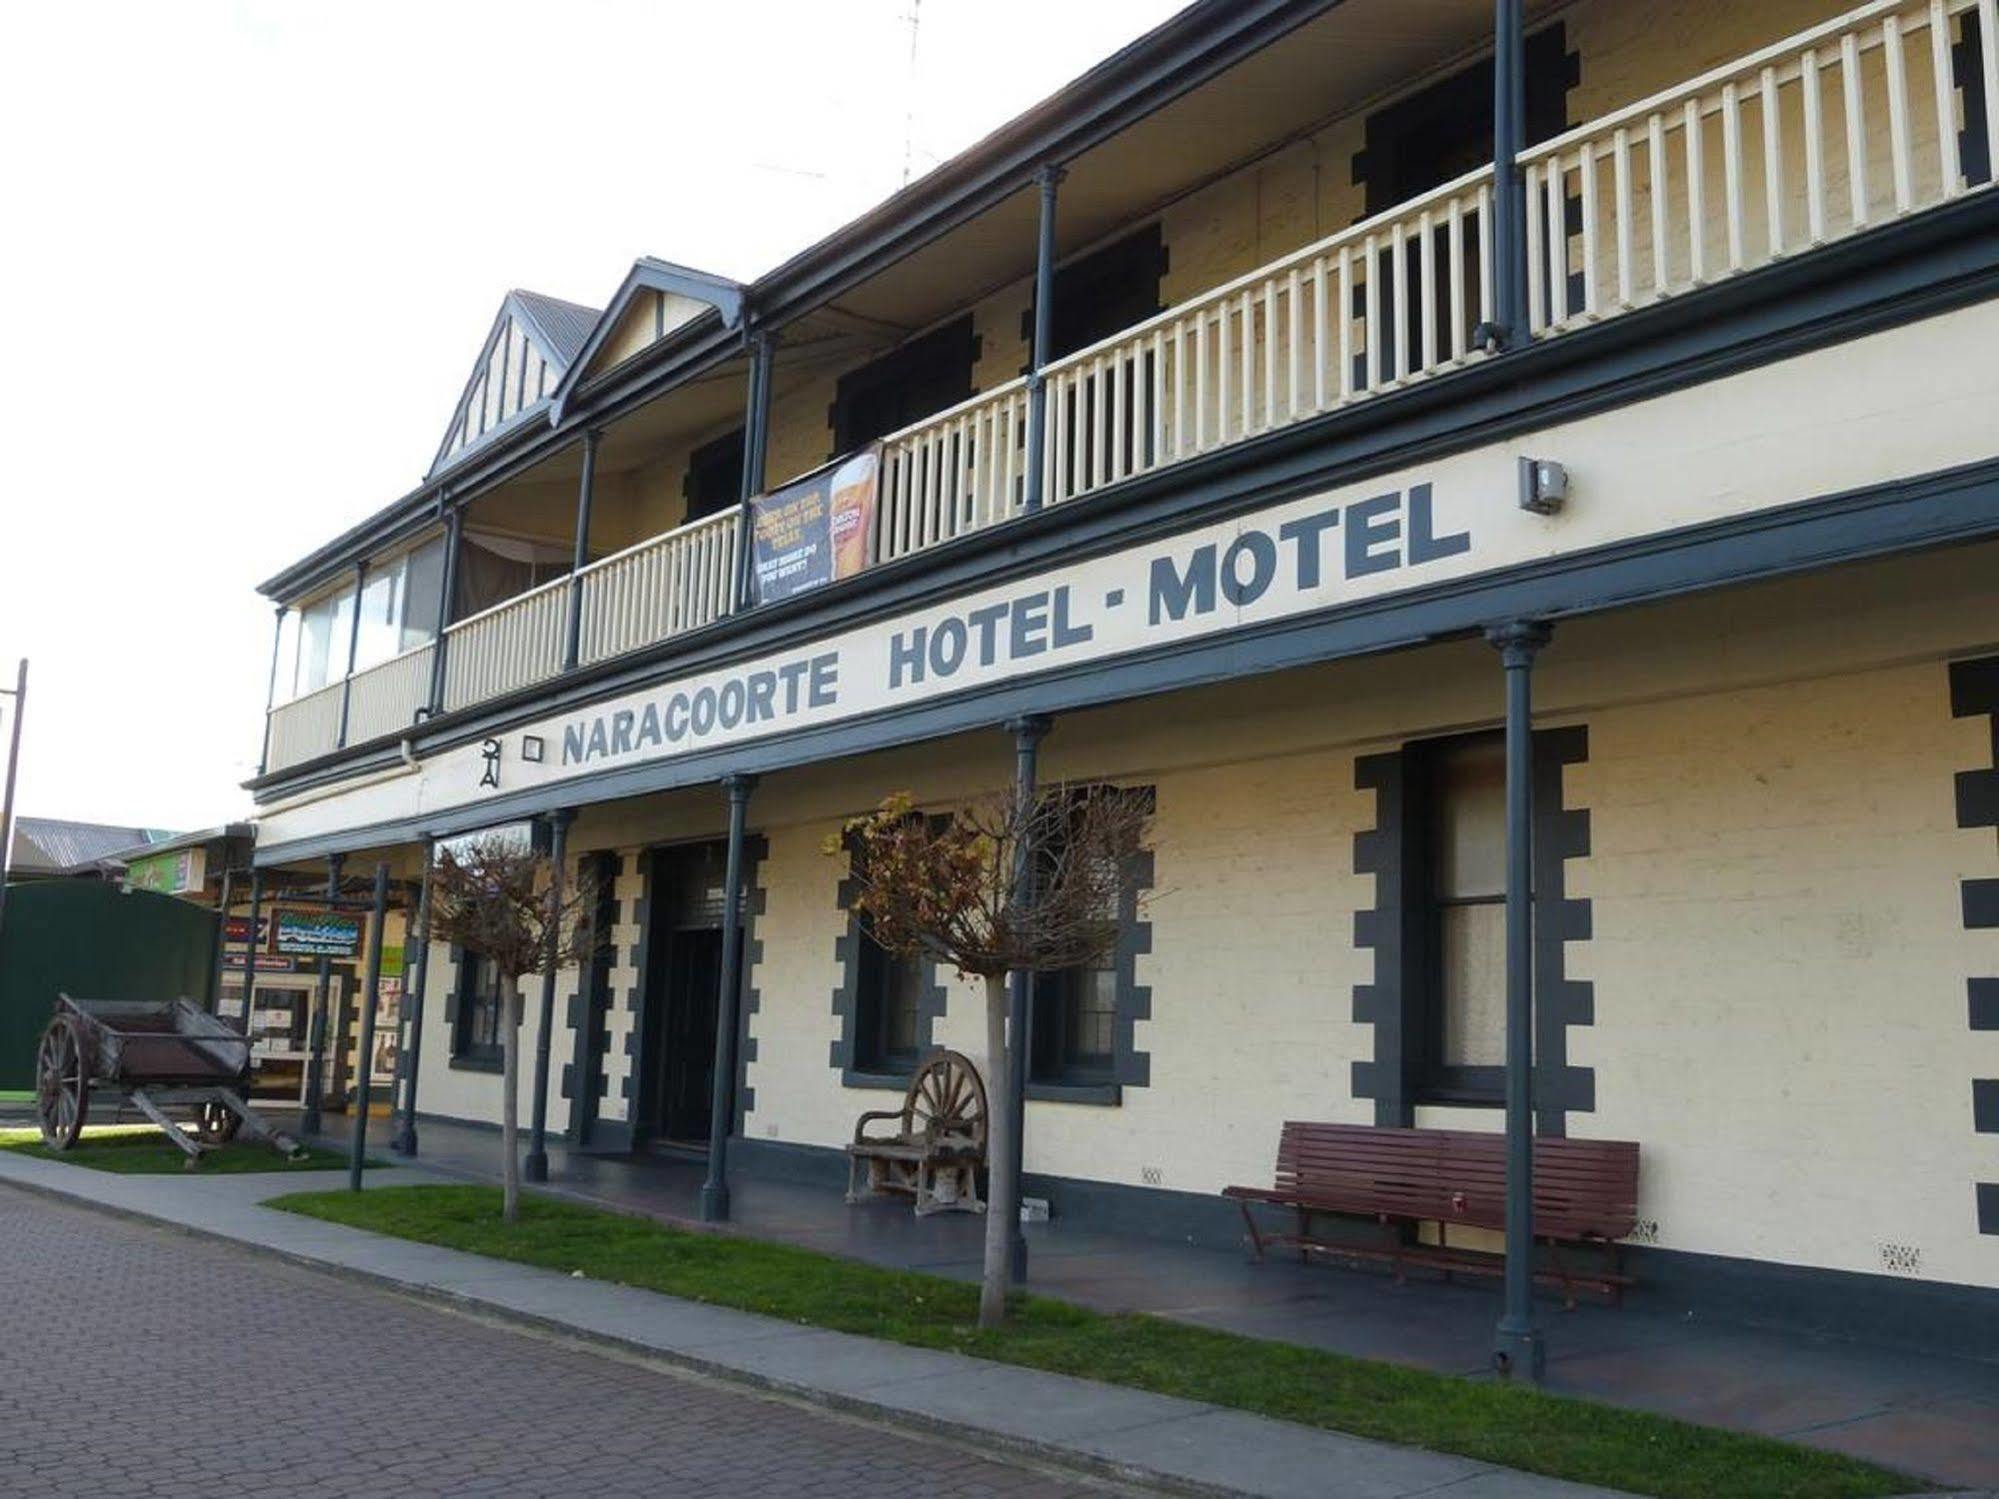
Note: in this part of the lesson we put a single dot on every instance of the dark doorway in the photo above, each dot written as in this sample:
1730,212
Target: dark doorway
682,995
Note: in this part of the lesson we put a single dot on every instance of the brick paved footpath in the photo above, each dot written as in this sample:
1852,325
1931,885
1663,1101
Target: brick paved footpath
139,1361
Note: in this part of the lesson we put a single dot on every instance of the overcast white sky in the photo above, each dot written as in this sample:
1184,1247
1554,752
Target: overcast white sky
251,250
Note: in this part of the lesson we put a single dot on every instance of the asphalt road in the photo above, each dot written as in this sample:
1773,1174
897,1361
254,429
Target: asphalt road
138,1361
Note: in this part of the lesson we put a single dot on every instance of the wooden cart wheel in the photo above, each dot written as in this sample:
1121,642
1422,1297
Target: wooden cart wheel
946,1097
62,1083
216,1123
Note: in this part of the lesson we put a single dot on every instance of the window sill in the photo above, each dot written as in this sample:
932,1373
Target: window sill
477,1064
1446,1098
887,1082
1101,1095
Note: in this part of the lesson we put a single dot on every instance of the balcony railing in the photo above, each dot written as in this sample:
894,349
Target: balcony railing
1701,182
513,644
387,696
660,588
304,728
1851,125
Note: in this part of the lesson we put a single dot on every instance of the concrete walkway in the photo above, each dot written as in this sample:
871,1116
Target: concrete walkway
1126,1434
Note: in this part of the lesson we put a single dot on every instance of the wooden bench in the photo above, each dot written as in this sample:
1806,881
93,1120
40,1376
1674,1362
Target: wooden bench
1585,1193
937,1145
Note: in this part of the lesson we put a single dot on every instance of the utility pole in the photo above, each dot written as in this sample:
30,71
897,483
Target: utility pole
20,697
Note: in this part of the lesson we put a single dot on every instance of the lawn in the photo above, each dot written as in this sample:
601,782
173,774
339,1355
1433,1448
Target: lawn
142,1150
1519,1427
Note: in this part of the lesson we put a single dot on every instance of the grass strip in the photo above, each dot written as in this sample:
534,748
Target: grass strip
142,1150
1521,1428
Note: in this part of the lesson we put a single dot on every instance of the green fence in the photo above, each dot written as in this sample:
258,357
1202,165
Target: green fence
90,939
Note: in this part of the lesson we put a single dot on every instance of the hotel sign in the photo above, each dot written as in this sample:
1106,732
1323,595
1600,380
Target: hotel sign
1723,449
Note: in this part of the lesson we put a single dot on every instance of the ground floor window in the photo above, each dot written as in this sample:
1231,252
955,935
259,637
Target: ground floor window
476,1030
889,1029
1078,1014
1454,861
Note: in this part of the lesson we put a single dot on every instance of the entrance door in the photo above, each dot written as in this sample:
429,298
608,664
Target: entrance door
687,1052
682,994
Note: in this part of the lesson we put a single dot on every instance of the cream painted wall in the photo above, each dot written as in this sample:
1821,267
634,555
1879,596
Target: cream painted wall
1778,962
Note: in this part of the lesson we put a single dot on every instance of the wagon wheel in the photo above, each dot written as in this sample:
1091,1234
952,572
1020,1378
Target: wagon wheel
215,1123
62,1083
946,1097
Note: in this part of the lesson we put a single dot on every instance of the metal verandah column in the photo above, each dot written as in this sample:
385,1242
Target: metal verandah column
1517,1343
722,1102
1028,732
447,587
756,433
250,944
409,1044
271,689
364,1072
572,645
1049,179
1509,205
315,1061
353,645
535,1167
222,936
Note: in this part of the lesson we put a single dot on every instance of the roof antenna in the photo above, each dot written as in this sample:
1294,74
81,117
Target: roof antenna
909,106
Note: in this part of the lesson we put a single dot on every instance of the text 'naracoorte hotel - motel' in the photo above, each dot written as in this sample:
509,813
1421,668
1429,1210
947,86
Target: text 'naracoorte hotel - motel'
1223,411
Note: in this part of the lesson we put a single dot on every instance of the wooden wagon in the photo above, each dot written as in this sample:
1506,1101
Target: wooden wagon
155,1058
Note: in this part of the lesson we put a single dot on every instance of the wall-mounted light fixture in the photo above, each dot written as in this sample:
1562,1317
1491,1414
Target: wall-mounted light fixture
1544,485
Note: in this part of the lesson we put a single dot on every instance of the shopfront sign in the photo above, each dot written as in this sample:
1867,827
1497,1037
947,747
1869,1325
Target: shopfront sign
318,934
1723,450
175,873
806,533
236,930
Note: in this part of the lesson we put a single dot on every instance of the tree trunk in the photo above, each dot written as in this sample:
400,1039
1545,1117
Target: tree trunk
510,1105
1002,1211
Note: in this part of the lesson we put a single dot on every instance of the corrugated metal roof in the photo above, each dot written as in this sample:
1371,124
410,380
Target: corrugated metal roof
565,325
43,845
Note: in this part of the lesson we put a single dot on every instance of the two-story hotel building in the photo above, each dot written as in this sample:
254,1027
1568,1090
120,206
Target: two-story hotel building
1227,406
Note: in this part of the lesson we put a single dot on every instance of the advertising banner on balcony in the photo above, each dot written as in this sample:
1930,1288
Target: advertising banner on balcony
807,533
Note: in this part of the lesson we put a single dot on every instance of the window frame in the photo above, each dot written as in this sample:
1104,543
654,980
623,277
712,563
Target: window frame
1433,1080
469,1002
1055,1070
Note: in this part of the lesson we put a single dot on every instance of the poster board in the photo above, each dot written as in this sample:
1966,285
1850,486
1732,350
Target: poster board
806,534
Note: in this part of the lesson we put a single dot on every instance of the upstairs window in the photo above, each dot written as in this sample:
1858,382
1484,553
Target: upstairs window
323,628
1104,292
923,376
714,476
1438,134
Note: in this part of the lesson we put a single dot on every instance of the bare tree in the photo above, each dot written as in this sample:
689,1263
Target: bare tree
1005,884
498,899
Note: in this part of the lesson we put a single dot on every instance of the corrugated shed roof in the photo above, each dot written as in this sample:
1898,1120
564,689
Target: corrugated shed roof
564,325
43,845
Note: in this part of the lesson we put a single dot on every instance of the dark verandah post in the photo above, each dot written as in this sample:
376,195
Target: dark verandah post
271,690
364,1070
1509,204
353,647
722,1101
315,1062
409,1043
572,644
447,589
1028,732
1048,179
535,1167
756,431
250,944
1517,1343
